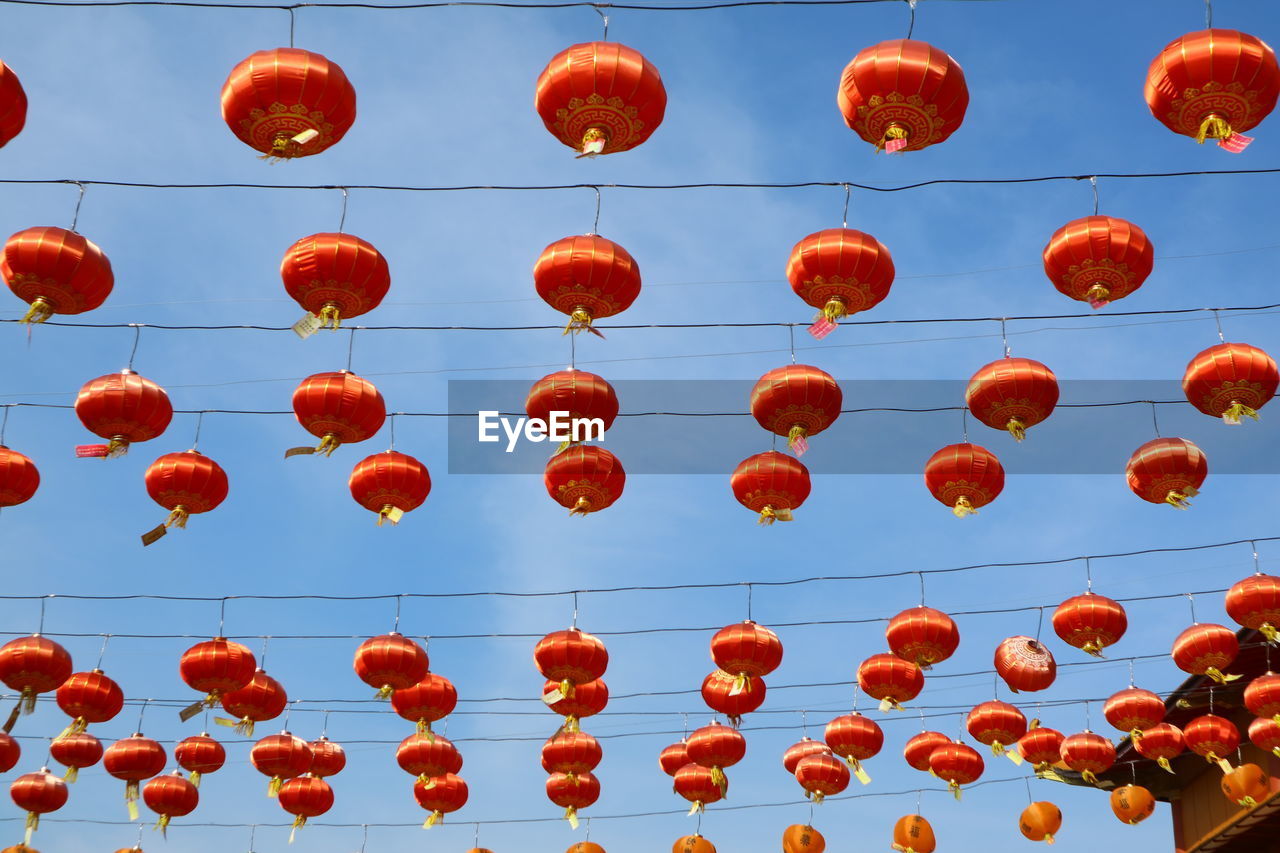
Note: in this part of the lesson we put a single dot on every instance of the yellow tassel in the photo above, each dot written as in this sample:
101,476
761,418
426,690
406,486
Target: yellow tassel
131,799
432,819
163,825
1165,765
178,517
1017,429
1098,295
298,822
893,131
720,781
1223,764
384,693
390,513
117,446
328,444
39,311
963,507
696,807
71,776
1269,631
1179,500
1238,410
769,515
274,786
33,823
889,704
1048,839
195,777
1276,751
78,726
834,309
1013,755
955,790
330,314
571,725
579,320
1219,676
1092,648
593,141
1248,802
1213,127
1089,777
582,507
796,433
859,772
571,815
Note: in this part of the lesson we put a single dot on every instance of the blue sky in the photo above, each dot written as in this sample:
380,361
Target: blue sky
445,97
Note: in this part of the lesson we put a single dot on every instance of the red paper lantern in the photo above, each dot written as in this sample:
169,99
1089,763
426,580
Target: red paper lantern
584,479
1041,748
10,752
75,752
923,636
186,484
13,105
903,95
32,665
890,679
199,755
571,753
921,746
440,795
89,697
698,785
19,478
1262,696
771,484
1013,394
803,748
1213,84
131,760
854,738
673,757
574,794
170,796
997,724
716,747
1211,737
215,667
37,794
123,408
431,699
1264,733
55,270
262,699
588,699
964,477
586,277
391,662
1206,649
280,757
305,797
1133,711
335,276
1167,470
1025,665
600,98
719,691
822,776
1160,743
746,650
338,408
956,764
1090,622
1098,259
390,484
1231,381
796,401
1088,754
327,758
1255,603
428,756
840,271
288,102
579,398
570,657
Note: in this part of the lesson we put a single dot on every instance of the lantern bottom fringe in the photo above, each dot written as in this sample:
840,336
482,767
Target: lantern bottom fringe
1221,677
384,693
1093,647
1271,633
859,772
33,823
769,515
163,825
195,778
815,796
720,780
196,707
390,513
1213,127
1164,764
131,799
594,140
571,725
177,517
274,786
892,132
78,726
424,728
741,684
72,775
834,310
299,821
571,815
696,807
428,782
328,444
1238,410
117,446
1180,499
330,314
795,435
1089,776
963,507
243,726
1097,296
39,311
888,703
580,321
1017,429
1048,838
435,817
582,507
955,789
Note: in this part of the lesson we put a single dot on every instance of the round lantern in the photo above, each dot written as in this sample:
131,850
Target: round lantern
1025,665
1098,259
822,776
903,95
390,662
587,700
338,408
280,757
673,757
1040,822
573,794
131,760
199,755
1262,696
964,477
1231,381
690,844
570,657
327,758
840,272
13,105
1161,743
586,277
305,797
1167,470
1264,733
32,665
1013,394
997,724
890,679
569,401
584,479
571,753
600,98
333,276
390,484
288,102
440,795
1206,649
1212,737
1088,754
37,794
262,699
956,764
122,408
19,478
1133,711
1247,785
55,270
1090,622
923,636
215,667
10,752
1255,603
1041,748
802,748
721,694
799,838
854,738
920,747
428,757
716,747
746,650
170,796
698,785
1213,84
1132,804
89,697
796,401
75,752
771,484
431,699
186,484
913,834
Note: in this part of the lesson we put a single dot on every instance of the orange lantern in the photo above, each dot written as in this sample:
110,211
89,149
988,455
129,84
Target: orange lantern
431,699
199,755
1098,259
923,636
305,797
822,776
262,699
1212,737
673,757
428,757
586,277
170,796
570,657
840,271
1040,822
333,276
746,650
327,758
716,747
956,764
573,399
440,796
997,724
854,738
1041,748
796,401
1255,603
799,838
19,478
964,477
288,102
1247,785
600,98
913,834
588,699
578,847
1090,622
1133,711
1088,754
75,752
921,746
771,484
123,408
280,757
585,479
803,748
1262,696
37,794
903,95
890,679
1167,470
390,484
32,665
337,408
1161,743
1013,394
1132,804
693,844
698,785
718,691
13,105
55,270
1214,84
574,794
131,760
571,753
1206,649
1231,381
186,484
391,662
89,697
215,667
1025,665
1264,733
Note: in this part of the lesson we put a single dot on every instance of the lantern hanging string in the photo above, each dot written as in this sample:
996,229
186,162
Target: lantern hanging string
1191,602
395,626
1088,720
920,577
222,615
142,710
137,337
195,442
750,595
575,610
253,831
75,217
342,220
43,600
1257,565
595,225
1155,420
1208,14
391,426
1093,184
102,652
1217,319
262,659
292,23
1039,624
351,347
1004,337
845,219
1027,779
1088,575
911,27
4,423
364,836
605,18
964,423
791,336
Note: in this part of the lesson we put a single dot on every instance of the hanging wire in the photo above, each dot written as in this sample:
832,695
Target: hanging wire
137,336
911,28
1208,14
847,191
477,835
605,18
253,831
75,217
1155,421
1257,566
1191,602
1088,575
1040,624
395,627
964,423
804,723
43,600
750,590
595,226
1004,337
342,220
791,334
392,426
575,608
292,22
1027,779
1093,183
920,575
588,838
106,638
351,347
222,615
1217,318
138,845
1130,672
919,796
324,724
262,659
573,352
698,829
4,422
199,423
1088,719
141,712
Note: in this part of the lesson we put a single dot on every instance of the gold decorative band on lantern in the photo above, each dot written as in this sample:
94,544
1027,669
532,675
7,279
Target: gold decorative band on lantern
1214,126
39,311
768,515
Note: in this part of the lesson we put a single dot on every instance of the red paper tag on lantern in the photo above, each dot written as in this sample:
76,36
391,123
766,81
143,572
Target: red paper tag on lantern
821,328
92,451
894,145
1235,143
